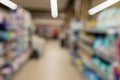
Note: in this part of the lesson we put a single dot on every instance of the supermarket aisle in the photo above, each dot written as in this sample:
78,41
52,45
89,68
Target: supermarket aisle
54,65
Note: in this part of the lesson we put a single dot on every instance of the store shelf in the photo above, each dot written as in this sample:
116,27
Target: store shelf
24,57
27,51
102,55
14,41
90,67
14,56
94,69
87,63
2,62
86,40
25,54
96,31
83,48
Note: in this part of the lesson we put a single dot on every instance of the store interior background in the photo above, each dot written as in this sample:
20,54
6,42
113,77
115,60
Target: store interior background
73,46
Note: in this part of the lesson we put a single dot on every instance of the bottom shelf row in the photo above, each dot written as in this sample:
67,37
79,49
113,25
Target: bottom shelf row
9,69
95,69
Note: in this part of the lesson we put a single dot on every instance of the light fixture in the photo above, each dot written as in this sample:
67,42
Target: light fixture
102,6
54,8
9,4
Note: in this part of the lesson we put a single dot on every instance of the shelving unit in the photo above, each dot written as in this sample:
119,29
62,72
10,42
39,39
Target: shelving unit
101,54
97,59
14,42
86,40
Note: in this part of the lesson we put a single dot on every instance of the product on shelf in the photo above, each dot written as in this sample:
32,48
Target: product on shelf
14,41
103,42
109,19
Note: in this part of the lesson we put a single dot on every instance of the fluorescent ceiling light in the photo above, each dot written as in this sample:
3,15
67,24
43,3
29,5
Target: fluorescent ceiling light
102,6
9,4
54,8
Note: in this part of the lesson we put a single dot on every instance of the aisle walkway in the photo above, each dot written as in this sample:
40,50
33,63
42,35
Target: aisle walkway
54,65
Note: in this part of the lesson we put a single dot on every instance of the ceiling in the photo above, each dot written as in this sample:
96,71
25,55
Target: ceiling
40,10
52,22
40,5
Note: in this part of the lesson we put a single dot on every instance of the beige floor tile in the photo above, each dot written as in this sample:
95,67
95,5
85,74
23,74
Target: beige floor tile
55,64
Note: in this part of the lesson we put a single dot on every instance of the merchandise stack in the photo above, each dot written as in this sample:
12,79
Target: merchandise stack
98,47
14,41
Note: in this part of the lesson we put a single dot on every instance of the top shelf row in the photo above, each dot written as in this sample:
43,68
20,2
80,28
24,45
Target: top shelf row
105,31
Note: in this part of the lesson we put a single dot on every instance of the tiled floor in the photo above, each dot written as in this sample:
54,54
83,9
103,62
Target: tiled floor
55,64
